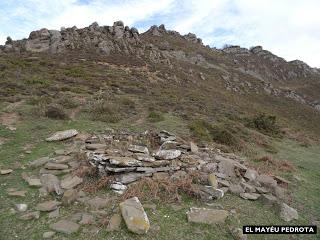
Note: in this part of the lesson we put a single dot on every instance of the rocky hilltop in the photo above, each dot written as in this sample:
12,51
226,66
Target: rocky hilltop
256,62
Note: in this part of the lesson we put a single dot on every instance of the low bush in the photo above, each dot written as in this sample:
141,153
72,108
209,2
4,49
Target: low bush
155,116
55,112
266,124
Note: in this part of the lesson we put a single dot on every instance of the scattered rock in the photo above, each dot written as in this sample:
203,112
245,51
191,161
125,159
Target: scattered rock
288,213
56,166
114,223
87,219
39,162
251,174
5,171
207,216
138,149
34,182
17,193
168,154
51,183
98,203
30,216
21,207
48,235
212,179
250,196
134,216
193,147
65,226
47,206
71,182
268,199
69,196
62,135
54,213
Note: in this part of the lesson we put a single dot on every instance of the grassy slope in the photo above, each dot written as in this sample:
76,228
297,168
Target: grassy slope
166,223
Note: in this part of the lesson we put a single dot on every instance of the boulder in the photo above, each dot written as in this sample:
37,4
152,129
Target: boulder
207,216
266,181
62,135
65,226
251,174
134,216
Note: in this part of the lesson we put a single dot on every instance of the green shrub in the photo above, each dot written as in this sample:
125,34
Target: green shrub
37,81
55,112
201,129
223,135
75,72
101,110
155,116
264,123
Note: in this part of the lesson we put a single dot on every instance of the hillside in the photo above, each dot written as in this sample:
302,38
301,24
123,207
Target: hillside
247,102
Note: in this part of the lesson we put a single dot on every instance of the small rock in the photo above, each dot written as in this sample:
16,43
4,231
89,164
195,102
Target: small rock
114,223
288,213
65,226
169,145
168,154
144,157
39,162
5,171
266,181
131,177
125,161
194,148
98,203
21,207
236,189
250,196
17,193
237,234
95,146
71,182
48,235
86,219
62,135
69,196
134,216
30,216
251,174
54,213
212,179
34,182
268,199
207,216
247,187
138,149
76,217
56,166
51,183
47,206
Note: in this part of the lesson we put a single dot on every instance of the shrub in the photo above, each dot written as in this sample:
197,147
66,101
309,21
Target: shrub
224,136
68,102
155,116
201,129
264,123
55,112
101,110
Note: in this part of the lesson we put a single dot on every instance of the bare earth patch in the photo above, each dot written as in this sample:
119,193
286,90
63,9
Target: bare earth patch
9,119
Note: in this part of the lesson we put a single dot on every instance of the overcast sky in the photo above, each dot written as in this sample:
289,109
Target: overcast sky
288,28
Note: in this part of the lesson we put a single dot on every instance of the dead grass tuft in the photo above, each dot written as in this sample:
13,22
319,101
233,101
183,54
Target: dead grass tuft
165,190
269,164
96,185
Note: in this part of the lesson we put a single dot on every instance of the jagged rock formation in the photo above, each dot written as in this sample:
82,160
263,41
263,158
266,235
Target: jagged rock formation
242,70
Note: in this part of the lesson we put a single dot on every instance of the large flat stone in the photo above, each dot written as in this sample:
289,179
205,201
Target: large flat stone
131,177
207,216
56,166
65,226
138,149
47,206
125,161
71,182
39,162
168,154
134,216
62,135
